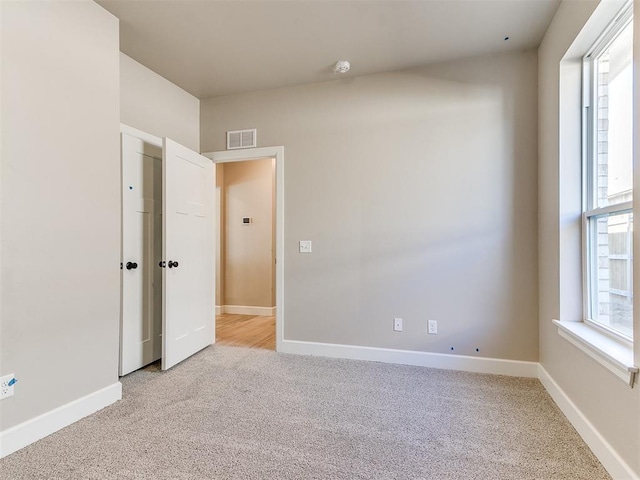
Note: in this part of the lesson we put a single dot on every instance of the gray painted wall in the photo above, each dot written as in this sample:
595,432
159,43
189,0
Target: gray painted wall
419,191
60,204
611,406
153,104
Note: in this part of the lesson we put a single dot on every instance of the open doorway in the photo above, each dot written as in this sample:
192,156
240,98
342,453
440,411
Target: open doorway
246,274
276,153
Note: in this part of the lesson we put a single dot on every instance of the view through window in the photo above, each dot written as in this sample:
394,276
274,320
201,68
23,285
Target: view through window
609,159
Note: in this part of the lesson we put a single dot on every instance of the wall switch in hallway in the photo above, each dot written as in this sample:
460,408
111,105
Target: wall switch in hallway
397,324
6,385
305,246
432,327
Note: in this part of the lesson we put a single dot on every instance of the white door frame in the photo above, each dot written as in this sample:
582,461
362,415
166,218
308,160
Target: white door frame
147,137
246,154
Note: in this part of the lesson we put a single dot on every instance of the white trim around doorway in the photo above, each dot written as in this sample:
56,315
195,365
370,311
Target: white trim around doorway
277,153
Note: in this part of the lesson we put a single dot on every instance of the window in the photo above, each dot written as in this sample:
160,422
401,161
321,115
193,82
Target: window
608,182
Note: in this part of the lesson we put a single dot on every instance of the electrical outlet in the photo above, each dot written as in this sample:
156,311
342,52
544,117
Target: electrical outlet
397,324
6,385
432,327
304,246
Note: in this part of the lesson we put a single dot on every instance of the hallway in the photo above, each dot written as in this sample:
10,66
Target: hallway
246,331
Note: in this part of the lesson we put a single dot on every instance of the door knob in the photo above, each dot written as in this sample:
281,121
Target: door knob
162,264
132,265
173,264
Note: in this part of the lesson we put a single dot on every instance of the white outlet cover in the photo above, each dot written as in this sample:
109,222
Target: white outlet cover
5,389
305,246
432,327
397,324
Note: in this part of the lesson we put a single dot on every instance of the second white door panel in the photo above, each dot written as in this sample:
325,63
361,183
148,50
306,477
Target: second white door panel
188,239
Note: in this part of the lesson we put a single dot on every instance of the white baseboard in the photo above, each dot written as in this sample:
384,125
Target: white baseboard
514,368
246,310
612,462
218,310
26,433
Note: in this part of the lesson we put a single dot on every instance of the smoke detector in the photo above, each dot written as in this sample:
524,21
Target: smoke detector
342,66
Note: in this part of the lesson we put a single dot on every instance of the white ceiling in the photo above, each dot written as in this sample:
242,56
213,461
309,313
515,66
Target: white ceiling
213,48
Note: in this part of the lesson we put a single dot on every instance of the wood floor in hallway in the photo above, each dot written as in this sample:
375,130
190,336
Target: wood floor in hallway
246,331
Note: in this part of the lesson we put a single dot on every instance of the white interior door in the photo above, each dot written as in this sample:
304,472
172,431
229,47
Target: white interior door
188,250
141,317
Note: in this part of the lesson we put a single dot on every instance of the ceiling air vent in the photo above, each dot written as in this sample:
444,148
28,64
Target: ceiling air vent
241,139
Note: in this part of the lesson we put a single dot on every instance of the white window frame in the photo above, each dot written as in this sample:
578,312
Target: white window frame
611,350
589,180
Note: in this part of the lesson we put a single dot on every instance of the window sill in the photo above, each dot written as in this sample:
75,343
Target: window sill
615,355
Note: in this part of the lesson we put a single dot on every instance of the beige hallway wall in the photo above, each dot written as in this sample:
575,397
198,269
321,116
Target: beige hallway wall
220,243
248,260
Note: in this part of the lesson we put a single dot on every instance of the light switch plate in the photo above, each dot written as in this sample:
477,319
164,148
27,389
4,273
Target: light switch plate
305,246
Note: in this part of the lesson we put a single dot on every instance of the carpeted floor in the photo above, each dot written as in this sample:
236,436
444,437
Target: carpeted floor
239,413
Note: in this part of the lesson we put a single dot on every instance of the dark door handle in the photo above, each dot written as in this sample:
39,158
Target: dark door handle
132,265
173,264
162,264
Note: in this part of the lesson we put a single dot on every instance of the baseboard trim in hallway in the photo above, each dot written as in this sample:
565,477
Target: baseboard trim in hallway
246,310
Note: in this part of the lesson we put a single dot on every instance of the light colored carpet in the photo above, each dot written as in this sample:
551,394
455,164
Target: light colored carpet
238,413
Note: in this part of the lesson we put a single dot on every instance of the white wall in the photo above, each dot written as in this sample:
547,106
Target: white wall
418,189
153,104
607,403
60,204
